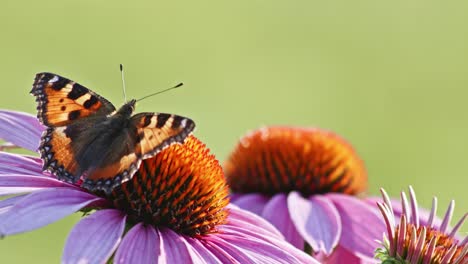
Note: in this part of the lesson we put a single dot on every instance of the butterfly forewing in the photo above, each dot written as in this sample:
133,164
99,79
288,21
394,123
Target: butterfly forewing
86,138
62,101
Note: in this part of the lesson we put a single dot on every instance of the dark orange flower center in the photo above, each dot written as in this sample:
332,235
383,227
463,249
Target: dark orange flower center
182,188
443,243
284,159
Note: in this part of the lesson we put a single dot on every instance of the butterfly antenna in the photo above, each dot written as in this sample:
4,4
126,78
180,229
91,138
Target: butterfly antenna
173,87
123,82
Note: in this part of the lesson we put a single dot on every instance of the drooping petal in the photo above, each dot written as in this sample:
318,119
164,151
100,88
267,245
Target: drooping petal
7,191
20,164
217,251
259,251
21,129
317,220
141,244
237,255
7,204
250,221
340,254
42,208
13,184
276,212
254,202
176,249
362,225
207,253
31,181
95,238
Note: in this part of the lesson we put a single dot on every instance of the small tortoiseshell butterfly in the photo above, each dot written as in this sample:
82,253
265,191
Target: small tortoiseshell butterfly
86,137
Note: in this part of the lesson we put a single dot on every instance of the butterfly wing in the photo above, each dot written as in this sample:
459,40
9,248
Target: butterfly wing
148,134
61,103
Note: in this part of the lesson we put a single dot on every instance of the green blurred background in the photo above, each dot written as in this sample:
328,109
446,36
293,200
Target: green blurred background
390,76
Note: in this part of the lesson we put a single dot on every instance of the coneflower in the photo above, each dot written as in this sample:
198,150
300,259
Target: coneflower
410,240
305,182
174,209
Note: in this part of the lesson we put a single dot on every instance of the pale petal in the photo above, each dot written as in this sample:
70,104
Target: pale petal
95,238
141,244
253,202
21,129
20,164
177,249
277,213
362,225
42,208
317,220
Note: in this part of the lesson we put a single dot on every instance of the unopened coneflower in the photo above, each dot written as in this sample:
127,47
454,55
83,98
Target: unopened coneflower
174,209
305,182
410,240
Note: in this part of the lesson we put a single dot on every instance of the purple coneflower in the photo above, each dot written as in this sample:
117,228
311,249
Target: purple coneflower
410,240
174,209
303,181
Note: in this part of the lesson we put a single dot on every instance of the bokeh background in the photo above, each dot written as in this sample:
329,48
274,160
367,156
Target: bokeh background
390,76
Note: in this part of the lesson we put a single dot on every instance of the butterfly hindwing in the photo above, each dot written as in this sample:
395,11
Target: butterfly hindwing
62,101
148,134
57,154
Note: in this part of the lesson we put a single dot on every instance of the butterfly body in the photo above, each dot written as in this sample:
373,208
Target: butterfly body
86,138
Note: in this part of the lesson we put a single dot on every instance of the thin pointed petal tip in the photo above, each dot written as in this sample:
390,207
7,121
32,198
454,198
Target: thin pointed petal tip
415,240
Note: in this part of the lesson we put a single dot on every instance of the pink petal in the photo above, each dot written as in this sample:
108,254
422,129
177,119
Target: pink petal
217,251
340,254
317,220
250,221
42,208
95,238
7,191
14,184
362,225
277,213
21,129
252,202
206,253
140,245
31,181
7,204
20,164
259,251
237,254
176,249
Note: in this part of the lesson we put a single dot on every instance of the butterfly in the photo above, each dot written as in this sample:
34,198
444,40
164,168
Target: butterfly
87,139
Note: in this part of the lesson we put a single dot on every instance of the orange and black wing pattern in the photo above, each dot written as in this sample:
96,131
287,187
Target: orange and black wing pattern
58,155
148,134
61,101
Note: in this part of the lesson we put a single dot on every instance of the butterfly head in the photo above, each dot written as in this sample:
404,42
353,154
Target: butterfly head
127,109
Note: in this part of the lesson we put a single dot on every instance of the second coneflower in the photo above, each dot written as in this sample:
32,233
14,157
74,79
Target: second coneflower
304,181
416,240
174,209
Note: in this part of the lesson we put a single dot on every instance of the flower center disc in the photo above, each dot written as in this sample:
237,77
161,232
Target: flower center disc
284,159
182,188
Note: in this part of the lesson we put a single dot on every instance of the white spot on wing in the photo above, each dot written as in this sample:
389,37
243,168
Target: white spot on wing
56,78
82,99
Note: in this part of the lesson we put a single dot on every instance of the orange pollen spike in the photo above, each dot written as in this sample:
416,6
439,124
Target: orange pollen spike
283,159
182,188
